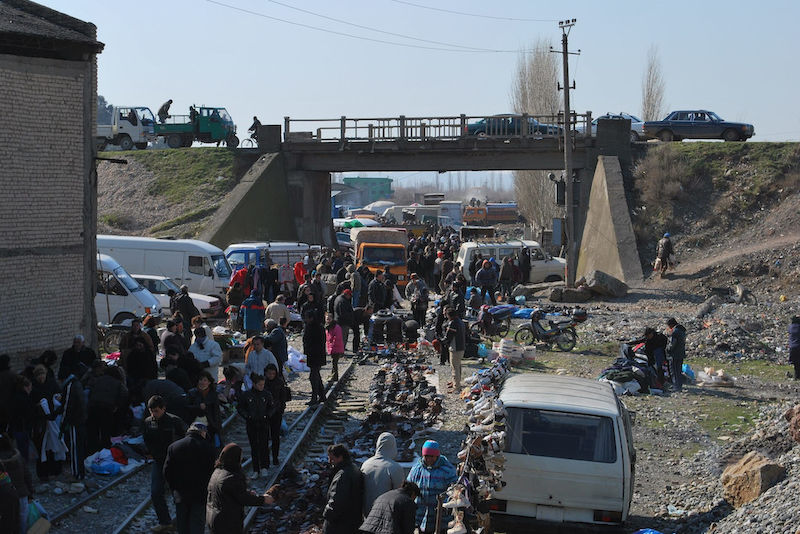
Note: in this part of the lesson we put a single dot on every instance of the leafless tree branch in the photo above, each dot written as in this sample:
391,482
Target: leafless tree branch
653,87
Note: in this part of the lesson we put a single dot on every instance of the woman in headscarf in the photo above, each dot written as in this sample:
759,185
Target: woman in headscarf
228,493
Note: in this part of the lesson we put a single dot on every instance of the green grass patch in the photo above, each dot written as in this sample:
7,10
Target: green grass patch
722,417
182,173
192,216
117,220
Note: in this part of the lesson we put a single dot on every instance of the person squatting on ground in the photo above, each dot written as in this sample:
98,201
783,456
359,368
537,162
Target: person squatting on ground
161,430
255,407
432,473
342,513
334,343
394,512
794,345
381,472
228,493
187,469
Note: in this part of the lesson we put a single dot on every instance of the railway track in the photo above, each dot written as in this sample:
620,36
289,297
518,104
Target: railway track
128,496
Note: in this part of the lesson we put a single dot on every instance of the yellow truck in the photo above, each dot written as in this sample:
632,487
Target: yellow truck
382,249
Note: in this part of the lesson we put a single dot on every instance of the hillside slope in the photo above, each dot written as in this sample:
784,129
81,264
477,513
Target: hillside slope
163,192
733,210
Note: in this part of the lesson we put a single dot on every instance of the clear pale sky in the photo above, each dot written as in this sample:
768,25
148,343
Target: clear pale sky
737,58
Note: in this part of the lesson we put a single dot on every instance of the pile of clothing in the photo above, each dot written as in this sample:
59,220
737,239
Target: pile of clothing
481,459
631,373
120,458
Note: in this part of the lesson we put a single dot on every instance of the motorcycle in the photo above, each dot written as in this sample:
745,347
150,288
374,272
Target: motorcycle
493,321
561,332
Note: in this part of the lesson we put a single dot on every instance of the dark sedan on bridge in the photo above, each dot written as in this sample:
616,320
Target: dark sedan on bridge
697,124
510,126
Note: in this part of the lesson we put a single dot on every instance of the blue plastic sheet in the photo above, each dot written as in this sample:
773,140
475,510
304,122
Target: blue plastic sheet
687,371
648,531
523,313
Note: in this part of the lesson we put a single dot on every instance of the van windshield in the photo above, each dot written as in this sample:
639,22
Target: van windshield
126,279
221,266
570,436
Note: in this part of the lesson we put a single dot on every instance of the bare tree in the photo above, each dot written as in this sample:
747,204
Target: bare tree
653,87
535,91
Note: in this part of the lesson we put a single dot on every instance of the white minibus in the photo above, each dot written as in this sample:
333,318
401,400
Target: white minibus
119,297
569,454
197,264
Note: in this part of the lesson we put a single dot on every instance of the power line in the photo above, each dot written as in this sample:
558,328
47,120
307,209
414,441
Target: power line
382,31
453,12
344,34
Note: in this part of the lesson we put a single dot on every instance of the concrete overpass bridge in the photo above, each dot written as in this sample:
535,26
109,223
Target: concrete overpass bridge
285,195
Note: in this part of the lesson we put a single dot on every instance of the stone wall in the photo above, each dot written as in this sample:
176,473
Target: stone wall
48,192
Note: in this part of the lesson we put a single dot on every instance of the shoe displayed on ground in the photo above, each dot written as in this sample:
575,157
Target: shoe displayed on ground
458,528
264,472
254,475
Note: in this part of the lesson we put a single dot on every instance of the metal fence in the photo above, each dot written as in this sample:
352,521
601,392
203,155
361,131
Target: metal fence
381,129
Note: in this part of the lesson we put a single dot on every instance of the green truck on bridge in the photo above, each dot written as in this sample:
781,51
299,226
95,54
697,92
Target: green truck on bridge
203,124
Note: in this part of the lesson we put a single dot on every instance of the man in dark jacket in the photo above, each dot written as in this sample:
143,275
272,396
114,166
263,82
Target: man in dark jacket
77,359
676,350
188,310
161,430
486,279
455,340
361,317
343,313
187,469
276,335
171,338
342,511
314,349
376,292
73,424
394,512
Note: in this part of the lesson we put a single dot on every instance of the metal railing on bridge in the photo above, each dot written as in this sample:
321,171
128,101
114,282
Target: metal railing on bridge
403,128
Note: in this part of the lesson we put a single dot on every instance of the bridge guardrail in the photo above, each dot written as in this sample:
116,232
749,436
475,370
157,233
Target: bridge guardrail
403,128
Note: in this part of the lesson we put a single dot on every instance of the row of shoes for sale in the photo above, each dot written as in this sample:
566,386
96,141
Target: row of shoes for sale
481,459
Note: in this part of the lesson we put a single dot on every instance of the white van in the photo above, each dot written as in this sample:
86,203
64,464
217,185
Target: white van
119,297
569,454
197,264
279,252
544,267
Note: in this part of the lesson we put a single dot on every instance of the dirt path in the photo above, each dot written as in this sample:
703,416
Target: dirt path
695,265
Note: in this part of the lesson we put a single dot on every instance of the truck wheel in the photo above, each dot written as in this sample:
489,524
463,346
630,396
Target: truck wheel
174,141
232,141
141,146
730,135
665,136
125,143
187,141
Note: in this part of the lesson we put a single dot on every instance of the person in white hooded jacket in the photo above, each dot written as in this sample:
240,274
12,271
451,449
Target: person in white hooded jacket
381,472
207,351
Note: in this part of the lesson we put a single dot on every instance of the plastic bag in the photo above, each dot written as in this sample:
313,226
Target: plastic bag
523,313
520,300
687,371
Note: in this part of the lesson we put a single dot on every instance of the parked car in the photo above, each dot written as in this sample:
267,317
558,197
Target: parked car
697,124
637,125
160,285
507,125
544,267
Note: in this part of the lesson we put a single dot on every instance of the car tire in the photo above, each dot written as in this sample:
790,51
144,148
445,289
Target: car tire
730,135
665,136
634,137
481,134
125,142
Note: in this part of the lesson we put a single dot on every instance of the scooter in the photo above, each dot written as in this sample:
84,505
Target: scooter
561,332
493,321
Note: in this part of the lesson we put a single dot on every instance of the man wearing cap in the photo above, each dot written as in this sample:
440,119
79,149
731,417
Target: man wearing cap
664,250
187,469
433,473
343,313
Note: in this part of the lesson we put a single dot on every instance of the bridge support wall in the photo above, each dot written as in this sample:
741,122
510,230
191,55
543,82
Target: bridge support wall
310,200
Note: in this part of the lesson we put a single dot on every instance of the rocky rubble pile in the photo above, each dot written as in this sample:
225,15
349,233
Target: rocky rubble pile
700,506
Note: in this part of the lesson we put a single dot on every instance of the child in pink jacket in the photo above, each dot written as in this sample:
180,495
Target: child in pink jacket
335,343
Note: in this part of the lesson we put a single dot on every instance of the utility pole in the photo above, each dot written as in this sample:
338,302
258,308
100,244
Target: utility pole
572,245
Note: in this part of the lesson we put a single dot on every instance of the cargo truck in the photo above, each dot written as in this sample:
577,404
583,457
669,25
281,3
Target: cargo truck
383,249
208,125
131,126
492,213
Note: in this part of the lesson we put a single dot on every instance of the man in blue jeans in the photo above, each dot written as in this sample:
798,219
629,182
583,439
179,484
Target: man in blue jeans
187,469
161,429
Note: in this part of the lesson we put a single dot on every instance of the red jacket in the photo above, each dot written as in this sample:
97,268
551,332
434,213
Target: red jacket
241,277
300,272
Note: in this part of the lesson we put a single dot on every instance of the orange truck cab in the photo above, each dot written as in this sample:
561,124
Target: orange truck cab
384,249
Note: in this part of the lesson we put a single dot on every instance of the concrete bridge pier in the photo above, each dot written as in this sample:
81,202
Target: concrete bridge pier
310,197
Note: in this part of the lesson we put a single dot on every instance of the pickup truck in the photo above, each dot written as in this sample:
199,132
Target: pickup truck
207,125
130,126
697,124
